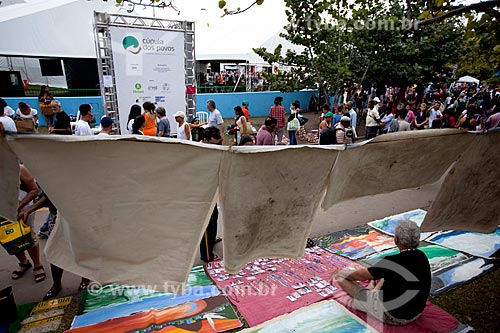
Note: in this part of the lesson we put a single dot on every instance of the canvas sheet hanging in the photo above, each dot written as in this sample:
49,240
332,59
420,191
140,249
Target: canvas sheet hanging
132,212
464,202
267,288
393,162
265,196
9,181
474,243
387,225
326,316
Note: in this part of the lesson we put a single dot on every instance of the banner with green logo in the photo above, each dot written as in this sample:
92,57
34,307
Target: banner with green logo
149,67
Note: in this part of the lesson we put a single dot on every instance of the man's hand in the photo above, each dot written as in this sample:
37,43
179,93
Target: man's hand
375,285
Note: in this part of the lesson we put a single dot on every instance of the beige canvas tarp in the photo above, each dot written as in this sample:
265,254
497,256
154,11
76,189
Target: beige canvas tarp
136,207
468,199
267,203
393,162
9,181
134,211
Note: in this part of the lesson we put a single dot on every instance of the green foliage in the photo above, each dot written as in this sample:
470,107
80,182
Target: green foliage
343,40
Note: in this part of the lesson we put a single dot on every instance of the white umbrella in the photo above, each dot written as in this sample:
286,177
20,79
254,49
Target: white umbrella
468,79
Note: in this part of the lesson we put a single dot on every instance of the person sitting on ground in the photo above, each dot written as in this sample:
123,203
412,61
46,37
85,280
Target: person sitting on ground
163,129
106,126
399,284
246,140
265,135
82,127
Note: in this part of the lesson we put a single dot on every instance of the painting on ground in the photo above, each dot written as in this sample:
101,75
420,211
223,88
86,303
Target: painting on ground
387,225
323,317
213,314
475,243
356,247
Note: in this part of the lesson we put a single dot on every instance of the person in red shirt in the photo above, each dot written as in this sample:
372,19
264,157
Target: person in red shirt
244,107
278,112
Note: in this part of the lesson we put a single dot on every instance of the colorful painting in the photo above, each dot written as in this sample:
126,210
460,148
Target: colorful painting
324,317
474,243
115,301
270,287
440,259
455,276
356,247
387,225
327,240
114,294
213,314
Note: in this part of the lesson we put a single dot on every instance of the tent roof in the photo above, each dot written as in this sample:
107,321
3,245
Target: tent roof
50,28
468,79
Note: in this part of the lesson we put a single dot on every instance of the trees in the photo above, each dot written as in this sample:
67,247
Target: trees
378,41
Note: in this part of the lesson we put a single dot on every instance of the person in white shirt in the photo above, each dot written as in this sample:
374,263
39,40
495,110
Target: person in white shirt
24,111
82,125
106,126
9,112
215,118
434,114
183,129
7,125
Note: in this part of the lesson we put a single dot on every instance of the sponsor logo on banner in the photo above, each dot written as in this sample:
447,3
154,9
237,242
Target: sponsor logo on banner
138,88
131,44
159,99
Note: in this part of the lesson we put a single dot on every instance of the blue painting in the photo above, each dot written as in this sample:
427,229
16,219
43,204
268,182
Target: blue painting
387,225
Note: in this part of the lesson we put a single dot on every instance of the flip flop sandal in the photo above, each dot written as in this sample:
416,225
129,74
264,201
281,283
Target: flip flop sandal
18,273
53,292
39,277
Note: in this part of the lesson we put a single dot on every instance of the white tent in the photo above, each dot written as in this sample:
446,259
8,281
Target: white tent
468,79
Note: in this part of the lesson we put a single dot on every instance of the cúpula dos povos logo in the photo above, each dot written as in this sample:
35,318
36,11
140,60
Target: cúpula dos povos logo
131,44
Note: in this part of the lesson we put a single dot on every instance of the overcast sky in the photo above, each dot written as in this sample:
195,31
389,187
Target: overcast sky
230,34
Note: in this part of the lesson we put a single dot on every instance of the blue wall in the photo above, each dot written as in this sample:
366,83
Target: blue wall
260,102
69,105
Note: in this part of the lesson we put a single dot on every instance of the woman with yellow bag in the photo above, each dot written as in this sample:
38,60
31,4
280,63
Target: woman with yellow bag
45,97
28,190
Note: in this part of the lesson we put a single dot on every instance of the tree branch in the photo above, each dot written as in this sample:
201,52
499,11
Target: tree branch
480,6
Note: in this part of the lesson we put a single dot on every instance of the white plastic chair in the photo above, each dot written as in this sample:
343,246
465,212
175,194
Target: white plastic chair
73,123
202,117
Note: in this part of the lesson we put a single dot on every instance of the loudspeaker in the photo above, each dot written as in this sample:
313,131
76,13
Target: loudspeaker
51,67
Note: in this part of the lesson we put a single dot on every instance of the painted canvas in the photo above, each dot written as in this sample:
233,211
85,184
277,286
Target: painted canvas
114,294
270,287
477,244
455,276
327,240
356,247
213,314
115,301
387,225
323,317
440,259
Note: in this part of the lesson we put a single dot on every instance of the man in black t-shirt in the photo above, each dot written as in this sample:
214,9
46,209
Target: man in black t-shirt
62,124
399,284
